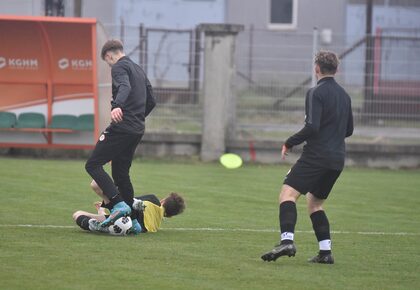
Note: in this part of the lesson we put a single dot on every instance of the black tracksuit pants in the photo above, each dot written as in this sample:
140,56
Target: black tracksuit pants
118,148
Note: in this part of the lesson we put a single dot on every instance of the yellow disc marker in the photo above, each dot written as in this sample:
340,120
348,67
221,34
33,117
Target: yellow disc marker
231,161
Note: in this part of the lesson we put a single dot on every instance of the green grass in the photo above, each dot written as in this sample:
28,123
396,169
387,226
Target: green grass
241,208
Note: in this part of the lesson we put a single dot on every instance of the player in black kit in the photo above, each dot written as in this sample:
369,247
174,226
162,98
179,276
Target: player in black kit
132,101
328,121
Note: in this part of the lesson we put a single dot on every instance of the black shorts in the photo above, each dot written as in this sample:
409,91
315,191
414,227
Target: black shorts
306,177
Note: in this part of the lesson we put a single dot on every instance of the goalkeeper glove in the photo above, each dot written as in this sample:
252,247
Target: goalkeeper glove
138,204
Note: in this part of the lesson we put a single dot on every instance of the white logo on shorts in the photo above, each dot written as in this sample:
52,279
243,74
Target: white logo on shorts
287,174
102,137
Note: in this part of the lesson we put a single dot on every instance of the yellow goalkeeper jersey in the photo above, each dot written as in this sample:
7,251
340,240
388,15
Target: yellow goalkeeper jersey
152,216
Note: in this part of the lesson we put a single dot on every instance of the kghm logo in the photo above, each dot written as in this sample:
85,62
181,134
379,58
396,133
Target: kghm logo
3,62
63,63
81,63
19,63
75,64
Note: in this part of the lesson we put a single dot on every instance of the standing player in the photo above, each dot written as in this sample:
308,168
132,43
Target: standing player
328,121
132,101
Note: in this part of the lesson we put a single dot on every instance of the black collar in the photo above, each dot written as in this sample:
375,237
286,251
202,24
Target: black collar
325,79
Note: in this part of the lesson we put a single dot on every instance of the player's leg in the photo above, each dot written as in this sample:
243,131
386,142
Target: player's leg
320,222
121,175
287,219
79,213
121,170
298,181
321,227
105,150
82,218
100,206
95,187
287,213
123,160
109,146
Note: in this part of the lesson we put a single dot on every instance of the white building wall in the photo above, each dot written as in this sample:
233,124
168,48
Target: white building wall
22,7
175,14
394,20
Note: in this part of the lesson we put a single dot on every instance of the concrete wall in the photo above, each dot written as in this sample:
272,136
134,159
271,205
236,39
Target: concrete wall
103,10
22,7
219,99
175,14
292,46
188,146
268,152
310,13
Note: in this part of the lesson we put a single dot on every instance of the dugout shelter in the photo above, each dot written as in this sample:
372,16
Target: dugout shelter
54,93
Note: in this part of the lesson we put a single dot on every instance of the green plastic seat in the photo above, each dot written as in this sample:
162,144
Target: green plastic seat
85,122
31,120
63,122
7,119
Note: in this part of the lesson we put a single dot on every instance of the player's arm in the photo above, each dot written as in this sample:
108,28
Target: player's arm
150,98
313,108
301,136
121,81
350,126
138,201
138,204
150,197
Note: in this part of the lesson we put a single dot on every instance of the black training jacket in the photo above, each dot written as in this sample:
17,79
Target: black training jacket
132,92
328,121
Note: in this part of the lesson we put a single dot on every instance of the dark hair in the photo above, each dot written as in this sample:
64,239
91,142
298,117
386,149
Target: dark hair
328,61
174,204
113,45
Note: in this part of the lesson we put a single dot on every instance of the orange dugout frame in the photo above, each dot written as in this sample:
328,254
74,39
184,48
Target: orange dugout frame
45,62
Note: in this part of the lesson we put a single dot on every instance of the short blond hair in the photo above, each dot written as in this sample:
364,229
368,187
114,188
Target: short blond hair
328,61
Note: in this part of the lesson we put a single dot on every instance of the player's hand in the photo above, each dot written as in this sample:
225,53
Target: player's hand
284,152
116,115
99,209
138,204
97,204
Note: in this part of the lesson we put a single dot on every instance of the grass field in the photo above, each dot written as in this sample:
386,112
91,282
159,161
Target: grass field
231,219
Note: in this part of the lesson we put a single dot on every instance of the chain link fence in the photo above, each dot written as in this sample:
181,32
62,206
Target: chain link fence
172,61
274,71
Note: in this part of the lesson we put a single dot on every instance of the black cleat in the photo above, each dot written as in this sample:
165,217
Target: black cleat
278,251
322,259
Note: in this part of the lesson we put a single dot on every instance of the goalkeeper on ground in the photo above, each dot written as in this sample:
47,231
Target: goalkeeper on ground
147,215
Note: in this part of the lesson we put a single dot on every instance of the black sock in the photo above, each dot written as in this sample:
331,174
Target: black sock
106,205
321,227
83,222
114,200
287,218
